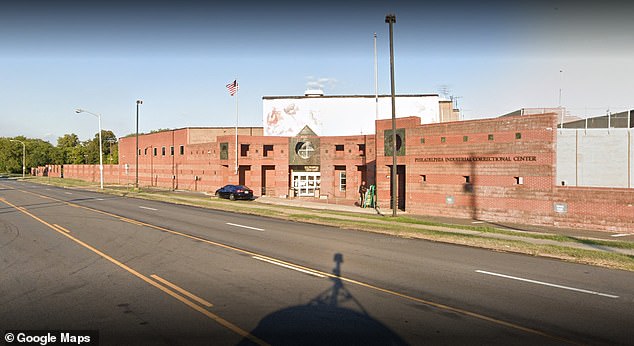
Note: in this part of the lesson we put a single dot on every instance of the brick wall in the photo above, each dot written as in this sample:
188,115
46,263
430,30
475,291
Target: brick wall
610,209
510,163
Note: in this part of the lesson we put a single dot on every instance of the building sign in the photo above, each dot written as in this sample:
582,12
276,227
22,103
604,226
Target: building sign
304,151
461,159
307,168
560,208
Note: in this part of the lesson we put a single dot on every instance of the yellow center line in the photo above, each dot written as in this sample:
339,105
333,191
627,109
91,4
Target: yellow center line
175,295
60,228
181,290
330,275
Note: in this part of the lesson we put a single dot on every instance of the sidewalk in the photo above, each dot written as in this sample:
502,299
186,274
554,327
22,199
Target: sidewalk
576,235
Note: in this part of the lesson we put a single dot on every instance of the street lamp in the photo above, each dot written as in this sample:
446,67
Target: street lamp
136,181
391,19
23,155
100,145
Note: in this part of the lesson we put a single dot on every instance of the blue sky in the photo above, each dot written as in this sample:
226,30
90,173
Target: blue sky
178,56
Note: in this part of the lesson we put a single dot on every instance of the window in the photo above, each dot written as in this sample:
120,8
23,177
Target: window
339,147
490,137
467,179
342,181
465,138
519,180
139,152
518,135
145,151
155,151
182,150
267,150
443,139
244,150
163,151
423,178
361,149
224,151
172,150
422,140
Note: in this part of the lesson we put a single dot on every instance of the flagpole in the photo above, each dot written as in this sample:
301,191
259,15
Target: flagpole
376,81
376,115
236,82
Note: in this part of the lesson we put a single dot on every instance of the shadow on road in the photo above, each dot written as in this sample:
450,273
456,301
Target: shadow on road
323,321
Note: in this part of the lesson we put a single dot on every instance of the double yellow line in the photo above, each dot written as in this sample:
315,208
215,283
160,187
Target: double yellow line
326,274
200,307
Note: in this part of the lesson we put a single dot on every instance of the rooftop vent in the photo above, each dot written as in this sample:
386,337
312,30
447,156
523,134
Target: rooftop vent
313,93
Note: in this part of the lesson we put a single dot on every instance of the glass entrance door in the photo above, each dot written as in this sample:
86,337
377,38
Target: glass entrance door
305,183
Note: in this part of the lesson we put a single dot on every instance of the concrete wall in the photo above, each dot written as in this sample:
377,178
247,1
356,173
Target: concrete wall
595,157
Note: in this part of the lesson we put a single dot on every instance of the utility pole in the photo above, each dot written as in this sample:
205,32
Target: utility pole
391,19
136,153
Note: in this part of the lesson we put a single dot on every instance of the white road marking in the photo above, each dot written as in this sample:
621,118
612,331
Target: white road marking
68,193
620,235
147,208
548,284
100,199
284,265
477,222
249,227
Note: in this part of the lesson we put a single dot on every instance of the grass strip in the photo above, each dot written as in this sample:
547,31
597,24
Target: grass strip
401,226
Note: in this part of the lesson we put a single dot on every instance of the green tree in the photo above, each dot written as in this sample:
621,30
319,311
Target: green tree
38,153
67,149
68,141
10,156
92,147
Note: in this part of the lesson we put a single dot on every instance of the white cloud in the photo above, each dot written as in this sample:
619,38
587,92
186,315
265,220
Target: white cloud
320,83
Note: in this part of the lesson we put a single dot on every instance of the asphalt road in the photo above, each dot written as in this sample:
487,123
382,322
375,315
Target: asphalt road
143,272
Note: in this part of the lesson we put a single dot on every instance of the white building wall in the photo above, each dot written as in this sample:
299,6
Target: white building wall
566,158
595,157
341,115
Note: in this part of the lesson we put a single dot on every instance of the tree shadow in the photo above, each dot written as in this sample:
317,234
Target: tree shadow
323,321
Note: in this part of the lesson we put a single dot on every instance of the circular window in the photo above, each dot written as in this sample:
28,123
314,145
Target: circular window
304,149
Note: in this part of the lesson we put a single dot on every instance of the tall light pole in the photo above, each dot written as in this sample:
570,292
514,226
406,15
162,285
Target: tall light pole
136,153
391,19
23,155
100,144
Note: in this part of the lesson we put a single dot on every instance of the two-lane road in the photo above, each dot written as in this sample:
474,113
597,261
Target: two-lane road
150,272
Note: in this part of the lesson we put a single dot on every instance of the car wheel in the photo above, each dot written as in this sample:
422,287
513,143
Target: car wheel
232,197
217,194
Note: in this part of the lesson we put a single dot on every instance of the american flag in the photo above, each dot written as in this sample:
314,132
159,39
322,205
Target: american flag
232,87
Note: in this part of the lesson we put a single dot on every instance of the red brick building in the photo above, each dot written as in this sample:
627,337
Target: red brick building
500,169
